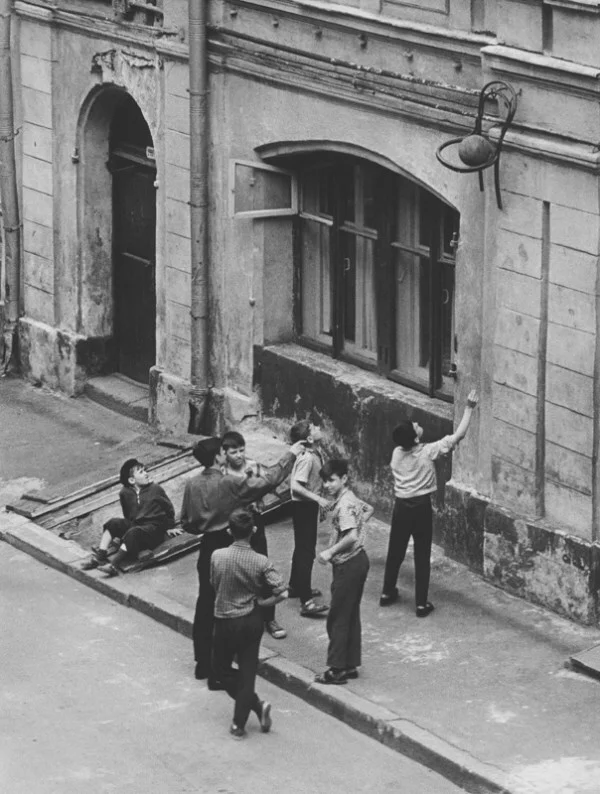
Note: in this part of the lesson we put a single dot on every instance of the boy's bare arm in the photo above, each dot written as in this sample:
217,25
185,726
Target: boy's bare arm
461,430
272,600
253,488
299,490
345,542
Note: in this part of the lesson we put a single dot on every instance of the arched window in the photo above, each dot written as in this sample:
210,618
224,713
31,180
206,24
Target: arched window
375,258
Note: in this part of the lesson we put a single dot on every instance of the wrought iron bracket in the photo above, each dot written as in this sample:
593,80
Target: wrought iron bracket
506,99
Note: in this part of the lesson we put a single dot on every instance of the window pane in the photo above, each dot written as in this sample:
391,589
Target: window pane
412,315
317,295
369,215
257,189
347,177
449,230
316,192
360,326
447,318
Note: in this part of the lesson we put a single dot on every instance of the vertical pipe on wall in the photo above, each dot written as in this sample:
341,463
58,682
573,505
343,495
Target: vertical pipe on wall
540,450
11,231
198,210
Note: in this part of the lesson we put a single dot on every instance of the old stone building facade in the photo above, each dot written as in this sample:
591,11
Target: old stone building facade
351,276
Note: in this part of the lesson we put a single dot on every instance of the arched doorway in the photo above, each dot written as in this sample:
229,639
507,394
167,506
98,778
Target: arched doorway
133,169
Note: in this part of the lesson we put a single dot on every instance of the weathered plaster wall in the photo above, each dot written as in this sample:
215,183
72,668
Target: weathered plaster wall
35,50
356,410
174,350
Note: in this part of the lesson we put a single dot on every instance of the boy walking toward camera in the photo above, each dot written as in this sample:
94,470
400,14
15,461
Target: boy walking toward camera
414,481
305,485
148,516
238,465
239,576
350,564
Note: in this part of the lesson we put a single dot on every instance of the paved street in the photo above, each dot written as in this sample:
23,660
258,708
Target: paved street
98,698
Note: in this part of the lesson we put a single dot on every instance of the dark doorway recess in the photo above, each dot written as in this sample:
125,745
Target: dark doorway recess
134,240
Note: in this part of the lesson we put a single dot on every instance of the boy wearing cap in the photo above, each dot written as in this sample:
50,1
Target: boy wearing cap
148,515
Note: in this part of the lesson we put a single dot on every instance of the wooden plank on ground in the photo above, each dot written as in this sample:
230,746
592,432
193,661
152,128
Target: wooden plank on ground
588,661
36,511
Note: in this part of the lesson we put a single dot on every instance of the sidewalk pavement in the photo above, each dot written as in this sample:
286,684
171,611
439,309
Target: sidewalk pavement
480,691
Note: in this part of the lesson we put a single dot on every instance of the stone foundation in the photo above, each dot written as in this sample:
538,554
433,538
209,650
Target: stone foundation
528,558
61,360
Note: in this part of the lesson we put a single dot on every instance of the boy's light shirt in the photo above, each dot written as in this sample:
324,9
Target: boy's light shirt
306,472
414,470
347,512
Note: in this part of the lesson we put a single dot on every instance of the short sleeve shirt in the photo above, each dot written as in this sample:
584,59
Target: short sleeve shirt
238,575
306,472
414,470
348,513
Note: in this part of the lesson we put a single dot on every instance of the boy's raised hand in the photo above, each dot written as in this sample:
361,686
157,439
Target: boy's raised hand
298,448
473,398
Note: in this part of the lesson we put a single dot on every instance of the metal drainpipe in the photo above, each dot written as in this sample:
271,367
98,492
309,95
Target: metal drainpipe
198,60
11,232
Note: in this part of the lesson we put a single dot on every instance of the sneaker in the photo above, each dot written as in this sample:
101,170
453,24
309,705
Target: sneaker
108,569
99,557
275,630
311,609
265,717
236,733
90,564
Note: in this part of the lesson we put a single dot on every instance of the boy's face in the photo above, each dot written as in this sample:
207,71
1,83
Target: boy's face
139,476
418,430
334,484
235,457
316,434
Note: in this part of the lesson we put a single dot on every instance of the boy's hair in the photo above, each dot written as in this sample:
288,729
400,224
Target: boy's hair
127,470
207,450
300,431
332,467
241,523
404,435
233,440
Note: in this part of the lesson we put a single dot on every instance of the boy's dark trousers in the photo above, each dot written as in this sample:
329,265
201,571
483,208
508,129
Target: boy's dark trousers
135,537
202,630
343,619
239,638
305,519
259,544
410,517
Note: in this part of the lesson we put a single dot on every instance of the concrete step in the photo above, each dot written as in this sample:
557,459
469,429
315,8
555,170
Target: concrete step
120,394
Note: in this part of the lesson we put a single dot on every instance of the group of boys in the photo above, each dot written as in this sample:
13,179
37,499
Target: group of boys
238,585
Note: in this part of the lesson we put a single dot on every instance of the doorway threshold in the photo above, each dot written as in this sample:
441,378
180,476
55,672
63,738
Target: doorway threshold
120,394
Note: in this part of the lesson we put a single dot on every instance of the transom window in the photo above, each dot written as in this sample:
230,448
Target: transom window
376,272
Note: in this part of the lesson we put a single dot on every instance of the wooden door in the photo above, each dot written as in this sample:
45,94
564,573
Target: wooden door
134,232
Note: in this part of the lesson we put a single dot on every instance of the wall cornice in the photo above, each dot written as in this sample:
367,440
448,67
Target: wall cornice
376,25
95,26
552,72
